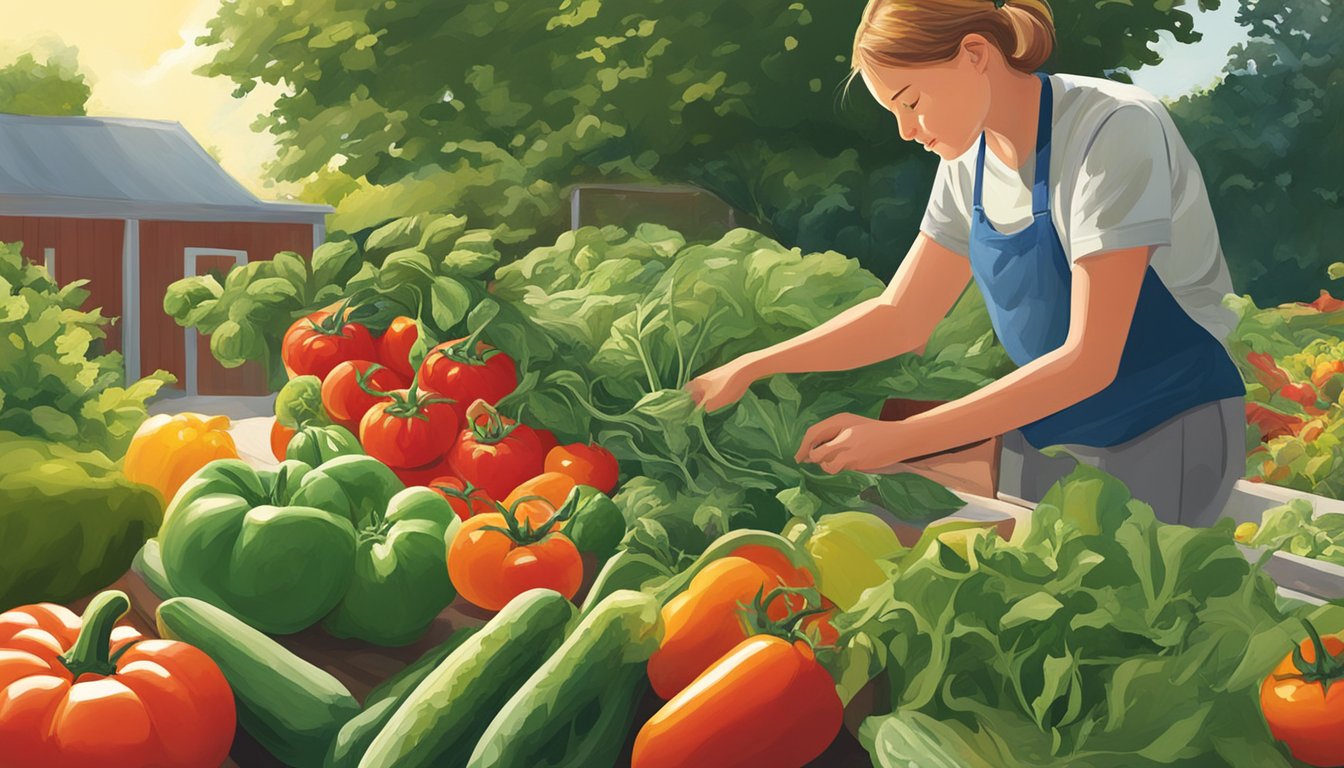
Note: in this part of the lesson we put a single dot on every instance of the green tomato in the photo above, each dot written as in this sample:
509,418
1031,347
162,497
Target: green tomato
299,404
852,552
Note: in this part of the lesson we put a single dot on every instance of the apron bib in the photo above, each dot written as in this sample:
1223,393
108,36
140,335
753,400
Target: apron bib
1170,363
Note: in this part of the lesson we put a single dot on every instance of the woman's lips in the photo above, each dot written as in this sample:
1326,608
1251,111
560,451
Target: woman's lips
930,144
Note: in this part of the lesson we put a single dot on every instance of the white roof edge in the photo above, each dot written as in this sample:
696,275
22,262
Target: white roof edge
101,208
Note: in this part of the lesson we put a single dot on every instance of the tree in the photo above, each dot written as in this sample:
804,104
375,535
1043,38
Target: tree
1270,142
492,108
55,87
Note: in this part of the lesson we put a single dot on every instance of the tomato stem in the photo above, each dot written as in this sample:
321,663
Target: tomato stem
523,533
412,404
90,653
494,430
1325,669
756,617
363,377
464,351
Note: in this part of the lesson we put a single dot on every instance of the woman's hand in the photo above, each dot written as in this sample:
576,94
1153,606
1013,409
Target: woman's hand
722,386
850,442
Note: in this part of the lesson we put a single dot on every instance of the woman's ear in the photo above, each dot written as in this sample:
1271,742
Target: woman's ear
975,52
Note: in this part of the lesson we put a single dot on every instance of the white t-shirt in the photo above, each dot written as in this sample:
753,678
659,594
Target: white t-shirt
1121,176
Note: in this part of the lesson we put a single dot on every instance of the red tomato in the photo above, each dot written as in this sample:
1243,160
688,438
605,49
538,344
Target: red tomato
490,568
767,702
346,401
486,374
547,440
280,437
1267,371
465,499
394,346
1272,423
495,453
1302,394
587,464
1300,712
425,475
318,342
411,430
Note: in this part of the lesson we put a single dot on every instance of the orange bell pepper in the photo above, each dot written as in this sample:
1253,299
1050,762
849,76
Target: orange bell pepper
83,692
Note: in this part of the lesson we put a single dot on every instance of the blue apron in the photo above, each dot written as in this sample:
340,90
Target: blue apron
1170,363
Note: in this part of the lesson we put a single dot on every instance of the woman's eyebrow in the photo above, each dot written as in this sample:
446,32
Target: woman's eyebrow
898,93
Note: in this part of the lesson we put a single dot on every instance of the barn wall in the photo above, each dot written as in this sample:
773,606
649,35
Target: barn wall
86,249
162,248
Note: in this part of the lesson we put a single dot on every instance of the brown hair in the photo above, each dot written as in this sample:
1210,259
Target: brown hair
907,33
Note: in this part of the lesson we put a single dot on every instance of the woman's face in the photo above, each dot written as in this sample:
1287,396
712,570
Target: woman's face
942,106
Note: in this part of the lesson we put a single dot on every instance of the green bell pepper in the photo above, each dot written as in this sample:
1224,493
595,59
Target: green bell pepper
236,538
400,575
316,445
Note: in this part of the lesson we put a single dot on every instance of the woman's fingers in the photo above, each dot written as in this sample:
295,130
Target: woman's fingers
823,431
831,450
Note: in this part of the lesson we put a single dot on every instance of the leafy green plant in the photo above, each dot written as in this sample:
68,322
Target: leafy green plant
54,382
430,268
1095,637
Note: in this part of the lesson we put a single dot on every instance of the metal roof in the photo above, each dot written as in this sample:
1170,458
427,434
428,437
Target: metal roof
110,167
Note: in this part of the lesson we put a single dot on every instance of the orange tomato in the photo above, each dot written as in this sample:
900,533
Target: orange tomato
553,487
490,567
465,501
767,702
280,437
1301,712
588,464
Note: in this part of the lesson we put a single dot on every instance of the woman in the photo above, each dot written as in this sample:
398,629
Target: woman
1081,215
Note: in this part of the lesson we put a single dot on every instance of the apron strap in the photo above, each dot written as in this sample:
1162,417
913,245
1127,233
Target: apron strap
1040,186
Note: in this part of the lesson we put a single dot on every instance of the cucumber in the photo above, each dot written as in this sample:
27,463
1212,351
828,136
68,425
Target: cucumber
148,565
290,707
575,709
355,736
439,721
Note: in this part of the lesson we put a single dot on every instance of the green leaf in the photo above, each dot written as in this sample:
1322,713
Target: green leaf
451,302
1037,607
334,263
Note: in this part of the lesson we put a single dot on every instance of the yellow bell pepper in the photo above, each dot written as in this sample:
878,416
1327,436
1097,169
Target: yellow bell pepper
168,449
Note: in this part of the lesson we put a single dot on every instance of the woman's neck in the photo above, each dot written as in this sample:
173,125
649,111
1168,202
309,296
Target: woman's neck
1010,126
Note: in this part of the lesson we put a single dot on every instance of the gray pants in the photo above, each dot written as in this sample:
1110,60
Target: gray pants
1184,468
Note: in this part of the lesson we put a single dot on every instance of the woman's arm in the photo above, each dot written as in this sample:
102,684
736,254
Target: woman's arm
925,287
1105,292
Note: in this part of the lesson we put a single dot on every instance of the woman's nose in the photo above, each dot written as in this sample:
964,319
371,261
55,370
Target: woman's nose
907,126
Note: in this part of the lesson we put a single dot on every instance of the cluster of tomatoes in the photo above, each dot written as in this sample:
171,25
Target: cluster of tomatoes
434,424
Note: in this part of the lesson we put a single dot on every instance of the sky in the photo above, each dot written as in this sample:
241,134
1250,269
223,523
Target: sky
138,56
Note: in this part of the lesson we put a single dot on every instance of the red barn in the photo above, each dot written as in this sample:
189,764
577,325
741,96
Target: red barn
132,205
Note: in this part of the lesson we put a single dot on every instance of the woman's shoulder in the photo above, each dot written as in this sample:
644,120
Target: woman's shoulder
1083,95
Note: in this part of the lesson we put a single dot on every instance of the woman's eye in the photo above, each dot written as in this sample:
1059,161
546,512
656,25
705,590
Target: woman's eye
912,106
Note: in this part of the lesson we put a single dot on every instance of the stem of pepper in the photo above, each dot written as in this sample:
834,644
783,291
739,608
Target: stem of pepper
90,653
756,618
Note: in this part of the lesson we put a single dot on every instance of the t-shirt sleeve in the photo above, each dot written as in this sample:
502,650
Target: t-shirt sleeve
1122,193
947,218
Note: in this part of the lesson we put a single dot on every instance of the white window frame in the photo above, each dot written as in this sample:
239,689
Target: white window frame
191,385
